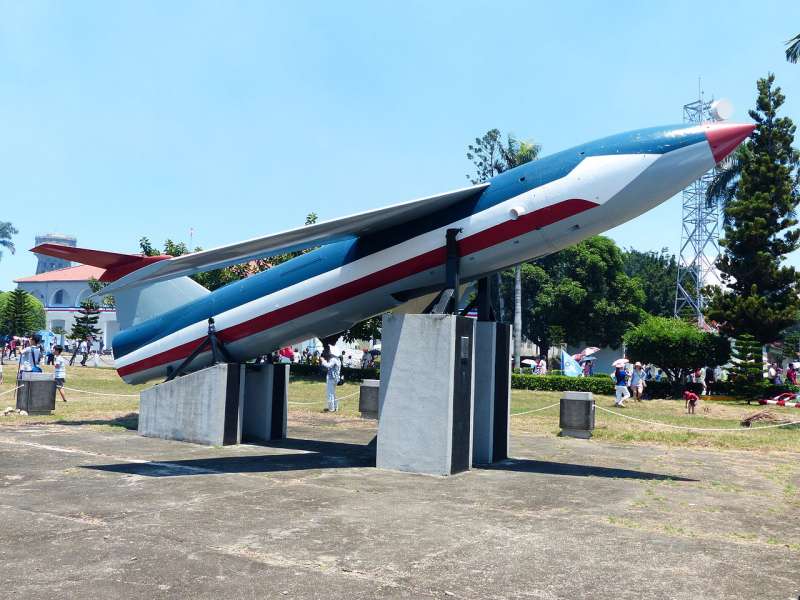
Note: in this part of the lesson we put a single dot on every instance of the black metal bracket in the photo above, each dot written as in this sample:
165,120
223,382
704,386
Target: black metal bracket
446,302
210,341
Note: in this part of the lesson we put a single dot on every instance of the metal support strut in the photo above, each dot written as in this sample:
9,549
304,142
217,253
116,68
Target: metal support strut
447,300
217,350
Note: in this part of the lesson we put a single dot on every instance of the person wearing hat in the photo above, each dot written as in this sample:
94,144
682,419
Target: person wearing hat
637,381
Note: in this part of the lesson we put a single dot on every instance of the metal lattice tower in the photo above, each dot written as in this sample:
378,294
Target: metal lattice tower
699,233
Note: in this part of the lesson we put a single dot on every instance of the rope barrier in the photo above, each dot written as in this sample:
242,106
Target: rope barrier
11,390
338,399
534,410
101,393
729,429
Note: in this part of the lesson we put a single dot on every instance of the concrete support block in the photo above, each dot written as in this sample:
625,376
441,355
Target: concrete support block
368,397
37,396
204,407
426,394
576,417
266,390
492,392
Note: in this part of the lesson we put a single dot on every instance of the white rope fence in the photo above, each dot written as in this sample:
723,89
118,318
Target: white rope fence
534,410
12,390
101,393
688,428
319,401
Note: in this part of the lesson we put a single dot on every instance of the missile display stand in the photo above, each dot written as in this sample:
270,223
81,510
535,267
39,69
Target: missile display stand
221,405
445,384
426,394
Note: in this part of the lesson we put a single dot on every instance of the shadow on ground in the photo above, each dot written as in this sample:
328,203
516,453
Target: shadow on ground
318,454
129,421
524,465
312,454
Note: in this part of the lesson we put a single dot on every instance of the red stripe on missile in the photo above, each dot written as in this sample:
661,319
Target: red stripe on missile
434,258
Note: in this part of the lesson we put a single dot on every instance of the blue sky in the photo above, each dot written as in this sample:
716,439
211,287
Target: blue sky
125,119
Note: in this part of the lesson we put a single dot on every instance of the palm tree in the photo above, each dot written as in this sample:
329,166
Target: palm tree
6,231
793,49
491,157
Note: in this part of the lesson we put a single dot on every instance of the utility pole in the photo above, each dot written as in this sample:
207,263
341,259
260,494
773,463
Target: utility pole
517,315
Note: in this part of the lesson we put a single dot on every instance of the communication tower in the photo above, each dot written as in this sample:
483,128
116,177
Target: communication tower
699,249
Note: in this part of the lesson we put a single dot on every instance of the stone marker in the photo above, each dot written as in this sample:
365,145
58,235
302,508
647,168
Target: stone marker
368,398
37,394
576,417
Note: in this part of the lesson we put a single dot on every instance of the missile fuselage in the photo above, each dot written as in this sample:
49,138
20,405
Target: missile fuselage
527,212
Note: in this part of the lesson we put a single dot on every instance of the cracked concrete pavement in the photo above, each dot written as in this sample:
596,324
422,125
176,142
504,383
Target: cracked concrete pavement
95,513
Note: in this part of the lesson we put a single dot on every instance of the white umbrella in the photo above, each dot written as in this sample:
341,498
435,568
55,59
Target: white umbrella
528,361
620,362
589,350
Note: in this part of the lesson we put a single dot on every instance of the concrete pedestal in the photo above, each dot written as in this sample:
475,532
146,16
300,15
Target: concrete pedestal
37,396
204,407
427,368
368,397
265,402
576,417
492,392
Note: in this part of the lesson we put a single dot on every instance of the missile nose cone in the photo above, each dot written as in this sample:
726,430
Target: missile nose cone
724,137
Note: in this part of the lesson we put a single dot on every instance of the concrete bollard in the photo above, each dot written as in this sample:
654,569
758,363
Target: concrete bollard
368,398
576,418
37,396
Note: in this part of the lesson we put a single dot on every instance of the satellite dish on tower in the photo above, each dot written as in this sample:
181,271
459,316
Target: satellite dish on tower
721,110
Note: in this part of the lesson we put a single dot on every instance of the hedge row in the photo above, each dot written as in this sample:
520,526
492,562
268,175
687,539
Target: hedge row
554,383
318,372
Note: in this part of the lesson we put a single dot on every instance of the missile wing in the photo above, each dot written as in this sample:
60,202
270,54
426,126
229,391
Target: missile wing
291,240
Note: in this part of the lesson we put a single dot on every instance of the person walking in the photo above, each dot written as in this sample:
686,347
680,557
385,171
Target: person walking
60,374
620,386
637,381
333,367
75,349
84,349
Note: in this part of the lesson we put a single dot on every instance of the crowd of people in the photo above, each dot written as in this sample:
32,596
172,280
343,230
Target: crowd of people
316,358
29,353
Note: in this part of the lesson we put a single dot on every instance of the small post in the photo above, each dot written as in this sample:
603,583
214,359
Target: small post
576,418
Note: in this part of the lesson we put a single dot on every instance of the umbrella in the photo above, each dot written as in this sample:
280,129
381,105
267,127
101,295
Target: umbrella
588,358
528,361
375,351
589,350
620,362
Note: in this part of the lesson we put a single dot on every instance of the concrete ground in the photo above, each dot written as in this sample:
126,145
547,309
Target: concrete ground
94,513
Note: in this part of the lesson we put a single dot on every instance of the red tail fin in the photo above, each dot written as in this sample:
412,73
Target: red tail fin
116,265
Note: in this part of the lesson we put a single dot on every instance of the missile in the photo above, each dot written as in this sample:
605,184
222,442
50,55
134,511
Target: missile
387,258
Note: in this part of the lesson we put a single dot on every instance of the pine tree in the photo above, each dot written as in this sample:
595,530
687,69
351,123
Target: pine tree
747,374
19,315
760,296
84,325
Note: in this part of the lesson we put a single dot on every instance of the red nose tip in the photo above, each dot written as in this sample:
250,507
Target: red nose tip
724,137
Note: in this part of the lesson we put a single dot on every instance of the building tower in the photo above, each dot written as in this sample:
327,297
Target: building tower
700,226
48,263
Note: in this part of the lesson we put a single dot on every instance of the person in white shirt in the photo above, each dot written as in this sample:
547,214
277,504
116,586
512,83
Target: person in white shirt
333,366
29,358
60,364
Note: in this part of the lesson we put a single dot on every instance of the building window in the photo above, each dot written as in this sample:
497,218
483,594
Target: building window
59,298
59,324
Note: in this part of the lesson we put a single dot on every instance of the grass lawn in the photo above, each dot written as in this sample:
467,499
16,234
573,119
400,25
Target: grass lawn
307,399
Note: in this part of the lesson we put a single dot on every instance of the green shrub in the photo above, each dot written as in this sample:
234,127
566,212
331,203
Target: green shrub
561,383
304,371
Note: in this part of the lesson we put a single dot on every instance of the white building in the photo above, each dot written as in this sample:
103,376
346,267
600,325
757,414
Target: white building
62,291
